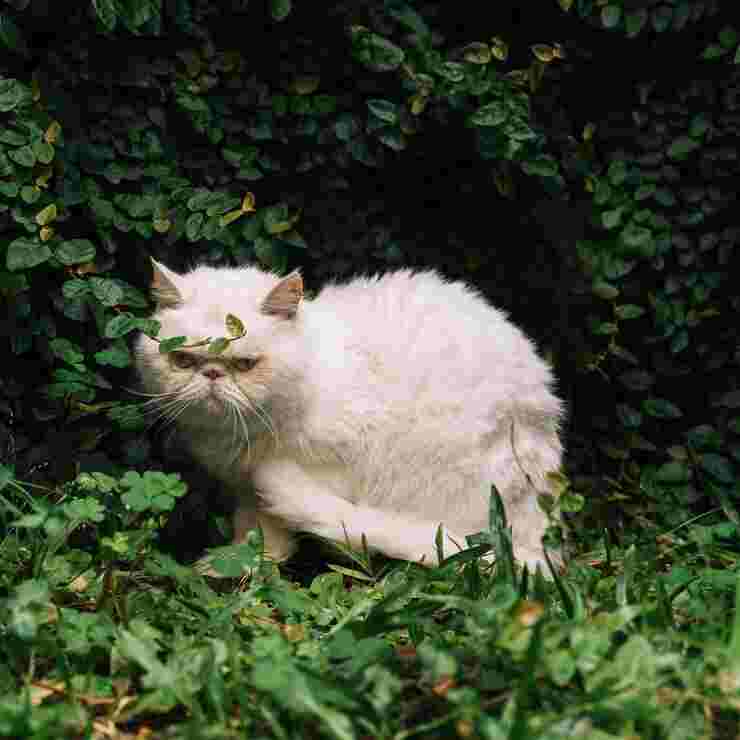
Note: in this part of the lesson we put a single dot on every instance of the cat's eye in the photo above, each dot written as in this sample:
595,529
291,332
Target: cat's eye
244,364
182,360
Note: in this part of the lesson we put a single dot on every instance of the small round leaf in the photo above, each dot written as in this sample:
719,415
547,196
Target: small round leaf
24,253
75,251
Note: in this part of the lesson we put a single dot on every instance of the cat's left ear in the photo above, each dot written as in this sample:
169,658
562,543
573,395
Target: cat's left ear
284,298
164,286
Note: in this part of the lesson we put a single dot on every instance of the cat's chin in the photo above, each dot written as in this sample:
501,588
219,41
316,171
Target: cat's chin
212,403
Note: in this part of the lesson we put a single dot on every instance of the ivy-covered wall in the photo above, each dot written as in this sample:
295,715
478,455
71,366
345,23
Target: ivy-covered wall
578,164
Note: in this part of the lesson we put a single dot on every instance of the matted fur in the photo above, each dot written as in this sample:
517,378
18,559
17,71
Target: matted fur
383,407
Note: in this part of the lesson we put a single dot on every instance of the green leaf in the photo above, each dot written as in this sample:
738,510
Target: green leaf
638,239
675,472
234,326
681,15
661,17
477,53
276,219
660,408
451,71
606,328
252,174
115,355
120,325
67,351
704,437
635,21
629,311
76,288
617,172
346,127
24,253
699,125
11,36
713,51
407,16
202,199
543,166
324,104
107,291
218,345
571,501
681,147
8,189
612,218
84,510
13,283
107,13
611,15
171,343
393,139
103,209
665,197
293,238
44,152
492,114
384,110
6,475
728,38
193,226
605,290
12,137
150,327
154,490
377,53
718,466
128,417
46,215
679,341
23,155
644,191
233,561
280,9
13,94
75,251
30,194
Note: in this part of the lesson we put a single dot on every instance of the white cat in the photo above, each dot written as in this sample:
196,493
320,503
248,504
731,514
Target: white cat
385,407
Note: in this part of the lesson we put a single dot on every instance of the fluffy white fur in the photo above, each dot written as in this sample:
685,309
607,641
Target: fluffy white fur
383,407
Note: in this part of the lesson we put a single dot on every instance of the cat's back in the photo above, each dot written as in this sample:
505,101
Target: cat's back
429,326
409,298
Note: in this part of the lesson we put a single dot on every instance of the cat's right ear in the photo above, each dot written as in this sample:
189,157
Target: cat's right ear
164,286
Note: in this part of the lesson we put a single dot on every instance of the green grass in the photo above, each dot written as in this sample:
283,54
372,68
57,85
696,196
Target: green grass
104,636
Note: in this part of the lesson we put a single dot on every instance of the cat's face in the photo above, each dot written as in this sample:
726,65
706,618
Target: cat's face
232,390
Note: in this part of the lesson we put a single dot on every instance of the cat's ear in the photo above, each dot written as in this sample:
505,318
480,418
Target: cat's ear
164,286
284,298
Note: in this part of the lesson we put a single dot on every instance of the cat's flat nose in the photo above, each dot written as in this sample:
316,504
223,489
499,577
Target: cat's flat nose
213,373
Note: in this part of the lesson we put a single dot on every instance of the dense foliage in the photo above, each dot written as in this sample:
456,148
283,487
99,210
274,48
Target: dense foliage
389,133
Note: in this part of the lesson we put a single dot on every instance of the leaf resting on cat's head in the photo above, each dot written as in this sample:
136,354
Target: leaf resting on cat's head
284,298
163,286
234,326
